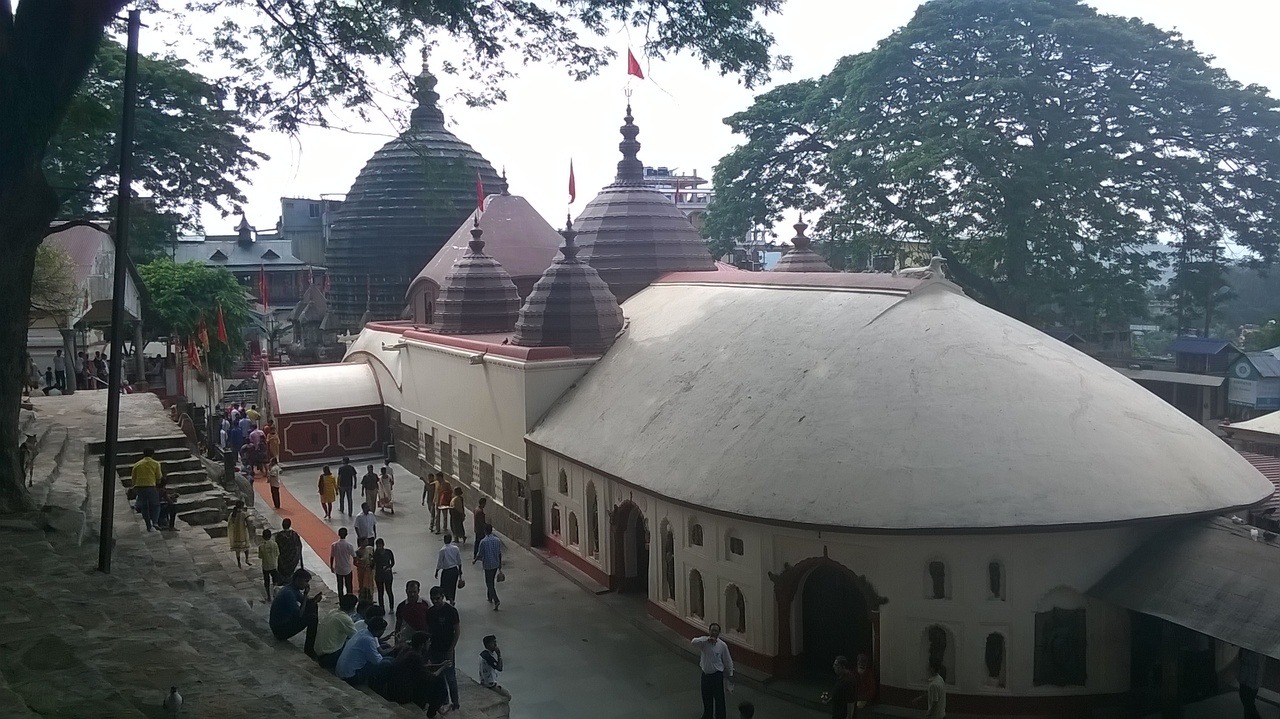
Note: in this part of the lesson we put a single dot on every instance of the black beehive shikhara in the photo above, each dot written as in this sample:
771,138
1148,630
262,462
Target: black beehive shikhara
407,201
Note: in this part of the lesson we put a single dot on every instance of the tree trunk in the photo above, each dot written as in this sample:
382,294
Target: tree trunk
15,300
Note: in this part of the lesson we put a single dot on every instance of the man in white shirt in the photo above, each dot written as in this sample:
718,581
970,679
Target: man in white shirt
717,669
936,695
366,524
449,568
341,555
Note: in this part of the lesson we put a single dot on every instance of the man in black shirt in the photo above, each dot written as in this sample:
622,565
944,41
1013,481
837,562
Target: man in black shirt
445,627
346,485
370,486
844,694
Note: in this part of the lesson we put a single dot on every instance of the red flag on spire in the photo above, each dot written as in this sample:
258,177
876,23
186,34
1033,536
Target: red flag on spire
633,65
222,327
573,186
479,192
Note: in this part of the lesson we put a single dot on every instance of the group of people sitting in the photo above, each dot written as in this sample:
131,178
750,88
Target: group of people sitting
411,664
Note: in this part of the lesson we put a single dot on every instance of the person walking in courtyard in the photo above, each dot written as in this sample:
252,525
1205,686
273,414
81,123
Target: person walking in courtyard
445,627
386,483
384,560
478,522
60,371
369,485
273,480
146,474
843,696
717,671
364,570
458,516
489,553
449,568
935,697
491,667
290,549
269,560
292,611
444,495
273,442
238,533
366,523
346,486
328,488
341,560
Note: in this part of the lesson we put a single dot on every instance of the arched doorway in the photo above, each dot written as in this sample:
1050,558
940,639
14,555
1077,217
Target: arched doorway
630,550
834,619
824,610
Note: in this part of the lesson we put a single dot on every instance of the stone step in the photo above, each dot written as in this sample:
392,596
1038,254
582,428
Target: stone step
197,476
203,516
135,445
194,488
161,455
212,499
185,464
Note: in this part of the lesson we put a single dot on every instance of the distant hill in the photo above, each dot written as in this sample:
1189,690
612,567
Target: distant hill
1257,296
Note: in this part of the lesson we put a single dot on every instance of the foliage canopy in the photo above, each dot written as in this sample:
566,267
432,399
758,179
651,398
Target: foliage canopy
1036,144
183,293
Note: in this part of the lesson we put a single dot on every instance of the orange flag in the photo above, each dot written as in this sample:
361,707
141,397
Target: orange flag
193,357
222,327
203,333
573,186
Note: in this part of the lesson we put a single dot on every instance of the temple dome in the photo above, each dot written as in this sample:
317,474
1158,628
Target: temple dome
570,306
631,233
880,403
801,258
477,296
406,202
514,234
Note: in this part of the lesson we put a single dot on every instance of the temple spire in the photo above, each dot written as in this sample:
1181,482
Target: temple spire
630,169
428,112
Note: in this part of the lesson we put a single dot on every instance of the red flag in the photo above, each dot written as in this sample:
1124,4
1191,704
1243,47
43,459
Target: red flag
479,192
222,327
573,186
202,331
193,357
633,65
262,285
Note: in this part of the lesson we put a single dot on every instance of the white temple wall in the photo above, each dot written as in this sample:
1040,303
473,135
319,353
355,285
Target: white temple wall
1040,571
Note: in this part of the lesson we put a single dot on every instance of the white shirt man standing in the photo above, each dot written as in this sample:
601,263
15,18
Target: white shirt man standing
717,670
366,524
449,568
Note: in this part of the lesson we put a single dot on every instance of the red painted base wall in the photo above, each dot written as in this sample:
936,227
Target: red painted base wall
321,436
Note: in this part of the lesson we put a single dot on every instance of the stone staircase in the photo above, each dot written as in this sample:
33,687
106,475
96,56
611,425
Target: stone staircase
201,502
175,611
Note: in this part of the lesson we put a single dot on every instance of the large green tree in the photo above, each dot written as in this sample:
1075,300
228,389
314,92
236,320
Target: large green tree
190,148
1036,144
290,59
182,294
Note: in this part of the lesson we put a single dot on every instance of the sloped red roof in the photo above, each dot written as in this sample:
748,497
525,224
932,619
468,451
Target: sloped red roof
1270,468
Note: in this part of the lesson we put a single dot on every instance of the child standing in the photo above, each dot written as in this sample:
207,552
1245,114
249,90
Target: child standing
269,558
328,491
491,666
238,533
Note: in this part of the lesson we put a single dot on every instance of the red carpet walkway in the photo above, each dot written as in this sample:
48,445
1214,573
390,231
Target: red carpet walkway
312,528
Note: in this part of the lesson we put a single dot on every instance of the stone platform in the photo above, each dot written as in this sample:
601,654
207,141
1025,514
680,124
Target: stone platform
175,610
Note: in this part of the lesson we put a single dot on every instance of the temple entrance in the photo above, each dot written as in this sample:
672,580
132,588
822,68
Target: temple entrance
630,550
834,620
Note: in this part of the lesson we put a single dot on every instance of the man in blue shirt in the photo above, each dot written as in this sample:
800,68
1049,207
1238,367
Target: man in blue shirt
292,611
489,553
361,661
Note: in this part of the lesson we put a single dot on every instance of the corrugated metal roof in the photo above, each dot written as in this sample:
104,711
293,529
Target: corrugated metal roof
1270,468
1199,345
1266,424
233,254
1265,362
1155,375
1206,575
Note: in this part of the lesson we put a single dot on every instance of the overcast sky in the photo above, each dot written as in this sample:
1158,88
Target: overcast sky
549,118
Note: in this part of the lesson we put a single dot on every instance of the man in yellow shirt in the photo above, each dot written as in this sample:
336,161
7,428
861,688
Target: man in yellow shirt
146,476
253,414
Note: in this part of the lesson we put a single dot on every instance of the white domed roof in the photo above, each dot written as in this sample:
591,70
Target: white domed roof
881,409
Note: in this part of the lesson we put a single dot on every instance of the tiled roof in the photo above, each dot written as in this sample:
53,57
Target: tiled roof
1199,345
233,254
1265,362
1270,468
